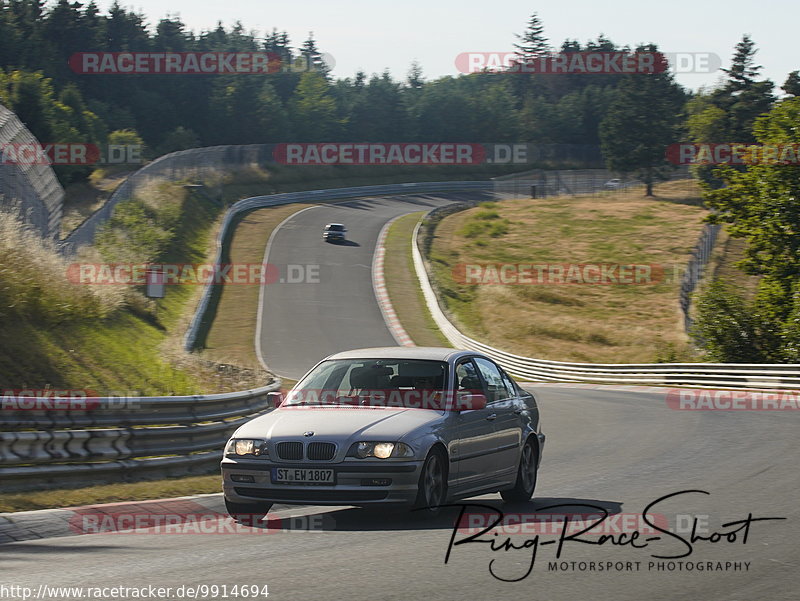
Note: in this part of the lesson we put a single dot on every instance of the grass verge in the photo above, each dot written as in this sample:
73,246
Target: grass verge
403,287
110,493
613,323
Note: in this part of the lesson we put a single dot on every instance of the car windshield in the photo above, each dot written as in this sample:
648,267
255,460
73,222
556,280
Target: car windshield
376,382
335,228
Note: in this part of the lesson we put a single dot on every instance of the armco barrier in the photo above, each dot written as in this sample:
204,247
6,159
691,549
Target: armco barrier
124,436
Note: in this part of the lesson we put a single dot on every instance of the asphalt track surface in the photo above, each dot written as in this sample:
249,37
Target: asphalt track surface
618,450
336,311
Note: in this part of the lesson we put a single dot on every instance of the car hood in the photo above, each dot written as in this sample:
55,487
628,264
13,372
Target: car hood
339,423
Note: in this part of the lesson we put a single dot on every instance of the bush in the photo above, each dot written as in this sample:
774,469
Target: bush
727,327
485,222
142,229
472,229
498,229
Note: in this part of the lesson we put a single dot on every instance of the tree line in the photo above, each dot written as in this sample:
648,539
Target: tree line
172,112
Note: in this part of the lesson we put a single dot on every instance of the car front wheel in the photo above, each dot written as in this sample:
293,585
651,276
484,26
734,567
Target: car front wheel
432,490
526,476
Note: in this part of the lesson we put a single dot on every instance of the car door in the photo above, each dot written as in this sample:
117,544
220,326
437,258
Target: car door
471,457
502,402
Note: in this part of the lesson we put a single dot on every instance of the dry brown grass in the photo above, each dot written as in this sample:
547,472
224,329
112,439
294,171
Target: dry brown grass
592,323
34,282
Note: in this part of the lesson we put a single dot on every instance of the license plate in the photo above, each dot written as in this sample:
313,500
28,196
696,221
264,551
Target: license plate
297,475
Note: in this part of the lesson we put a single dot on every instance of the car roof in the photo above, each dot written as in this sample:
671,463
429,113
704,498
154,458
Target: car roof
338,224
426,353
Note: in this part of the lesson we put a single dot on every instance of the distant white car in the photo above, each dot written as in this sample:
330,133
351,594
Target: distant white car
334,232
613,184
405,426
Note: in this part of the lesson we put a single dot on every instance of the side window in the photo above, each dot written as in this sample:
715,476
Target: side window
509,384
495,386
467,376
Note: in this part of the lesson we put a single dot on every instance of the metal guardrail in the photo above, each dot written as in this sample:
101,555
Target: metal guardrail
698,375
125,436
29,188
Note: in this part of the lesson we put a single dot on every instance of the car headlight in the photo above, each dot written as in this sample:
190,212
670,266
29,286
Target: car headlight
246,447
381,450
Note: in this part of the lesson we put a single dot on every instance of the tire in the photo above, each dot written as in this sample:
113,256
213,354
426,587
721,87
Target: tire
247,513
432,487
526,476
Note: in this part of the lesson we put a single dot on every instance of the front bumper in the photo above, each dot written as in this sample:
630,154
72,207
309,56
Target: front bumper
349,489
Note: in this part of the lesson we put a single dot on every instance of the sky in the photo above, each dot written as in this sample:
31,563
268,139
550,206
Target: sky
376,35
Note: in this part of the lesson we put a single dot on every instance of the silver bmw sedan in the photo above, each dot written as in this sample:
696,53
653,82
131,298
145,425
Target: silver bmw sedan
407,426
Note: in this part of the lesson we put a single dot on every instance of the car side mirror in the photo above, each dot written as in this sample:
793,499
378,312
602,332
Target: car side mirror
470,401
275,399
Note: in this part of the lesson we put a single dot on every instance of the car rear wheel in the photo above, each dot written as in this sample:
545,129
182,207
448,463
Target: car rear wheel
247,513
432,490
526,476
